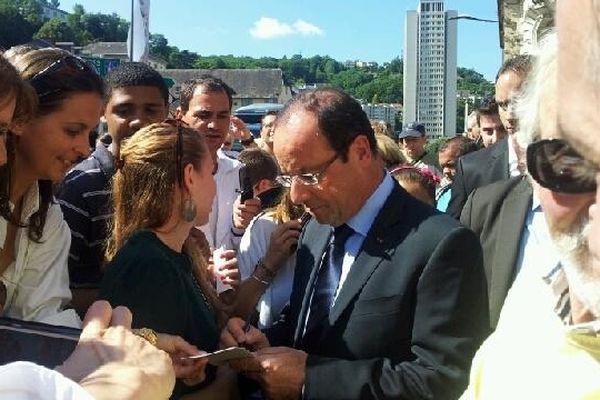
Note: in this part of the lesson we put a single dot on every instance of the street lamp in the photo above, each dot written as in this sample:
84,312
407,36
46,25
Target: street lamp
471,18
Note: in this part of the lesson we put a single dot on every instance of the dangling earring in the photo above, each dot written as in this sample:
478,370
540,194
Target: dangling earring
188,212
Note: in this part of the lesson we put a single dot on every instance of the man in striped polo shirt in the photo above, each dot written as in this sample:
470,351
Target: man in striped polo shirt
136,97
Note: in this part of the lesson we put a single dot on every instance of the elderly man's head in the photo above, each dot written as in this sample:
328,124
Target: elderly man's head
578,23
559,178
578,119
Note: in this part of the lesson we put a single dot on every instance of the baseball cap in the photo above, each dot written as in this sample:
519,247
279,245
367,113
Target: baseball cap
413,129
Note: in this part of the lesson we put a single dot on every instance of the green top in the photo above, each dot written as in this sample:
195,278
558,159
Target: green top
157,285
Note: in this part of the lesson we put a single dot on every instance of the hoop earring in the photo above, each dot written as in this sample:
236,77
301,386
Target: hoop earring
188,212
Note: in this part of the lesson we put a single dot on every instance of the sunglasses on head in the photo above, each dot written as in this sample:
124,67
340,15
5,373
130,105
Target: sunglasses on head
555,165
68,62
179,147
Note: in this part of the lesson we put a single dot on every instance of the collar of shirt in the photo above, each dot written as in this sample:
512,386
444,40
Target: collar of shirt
513,161
361,222
535,202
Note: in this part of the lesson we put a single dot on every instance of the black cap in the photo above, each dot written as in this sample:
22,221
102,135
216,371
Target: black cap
414,129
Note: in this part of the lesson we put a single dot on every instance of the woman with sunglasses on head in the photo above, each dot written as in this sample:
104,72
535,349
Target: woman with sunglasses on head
163,187
33,234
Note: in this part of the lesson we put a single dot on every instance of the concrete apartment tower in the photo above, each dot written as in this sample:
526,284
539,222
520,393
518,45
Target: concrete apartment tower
430,68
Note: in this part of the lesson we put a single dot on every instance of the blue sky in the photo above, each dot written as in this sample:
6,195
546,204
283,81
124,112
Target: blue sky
343,29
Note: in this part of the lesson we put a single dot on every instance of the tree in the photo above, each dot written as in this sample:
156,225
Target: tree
55,3
14,28
182,59
106,28
55,30
159,46
396,66
433,145
75,22
31,10
332,67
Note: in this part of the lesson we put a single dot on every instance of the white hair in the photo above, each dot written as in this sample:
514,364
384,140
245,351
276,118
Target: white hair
528,102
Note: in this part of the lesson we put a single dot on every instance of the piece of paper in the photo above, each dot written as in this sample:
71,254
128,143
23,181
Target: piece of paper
220,357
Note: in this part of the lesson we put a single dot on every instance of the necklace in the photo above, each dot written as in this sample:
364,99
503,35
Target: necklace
198,287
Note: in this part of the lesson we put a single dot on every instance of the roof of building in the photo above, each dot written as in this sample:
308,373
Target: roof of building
258,83
103,48
114,49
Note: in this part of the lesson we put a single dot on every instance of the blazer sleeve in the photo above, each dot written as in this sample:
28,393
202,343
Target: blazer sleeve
450,322
466,215
458,194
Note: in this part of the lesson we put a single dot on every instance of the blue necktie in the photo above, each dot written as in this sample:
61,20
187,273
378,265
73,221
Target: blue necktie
326,284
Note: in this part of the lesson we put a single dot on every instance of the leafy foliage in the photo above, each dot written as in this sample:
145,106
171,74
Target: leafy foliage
55,30
433,145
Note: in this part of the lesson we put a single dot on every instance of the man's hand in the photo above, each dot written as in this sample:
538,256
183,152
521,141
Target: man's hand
111,362
280,246
282,372
239,130
233,334
243,213
191,371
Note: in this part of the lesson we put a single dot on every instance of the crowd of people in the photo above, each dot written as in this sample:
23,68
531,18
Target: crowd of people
351,263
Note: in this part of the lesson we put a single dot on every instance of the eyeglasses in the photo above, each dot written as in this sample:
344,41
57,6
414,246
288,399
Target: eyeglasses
555,165
308,179
179,146
68,61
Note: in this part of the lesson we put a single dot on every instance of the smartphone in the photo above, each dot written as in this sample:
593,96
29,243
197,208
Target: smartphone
246,190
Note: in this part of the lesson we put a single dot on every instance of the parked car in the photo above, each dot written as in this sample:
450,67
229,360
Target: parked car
253,113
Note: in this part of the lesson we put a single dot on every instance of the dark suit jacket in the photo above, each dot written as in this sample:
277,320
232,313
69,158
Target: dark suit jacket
409,317
497,213
478,169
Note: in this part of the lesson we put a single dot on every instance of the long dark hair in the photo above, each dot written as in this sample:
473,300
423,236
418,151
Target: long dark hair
55,75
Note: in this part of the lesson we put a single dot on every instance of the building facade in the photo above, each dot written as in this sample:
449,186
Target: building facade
382,112
522,24
251,86
49,12
430,68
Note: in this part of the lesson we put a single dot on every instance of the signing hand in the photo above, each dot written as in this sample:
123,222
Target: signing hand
281,373
233,334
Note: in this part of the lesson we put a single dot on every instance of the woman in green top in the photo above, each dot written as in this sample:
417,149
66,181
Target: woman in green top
162,189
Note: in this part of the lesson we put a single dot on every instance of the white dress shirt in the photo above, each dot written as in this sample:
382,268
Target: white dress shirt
37,282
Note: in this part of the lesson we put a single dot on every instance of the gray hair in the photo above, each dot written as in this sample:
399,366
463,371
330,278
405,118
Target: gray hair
528,104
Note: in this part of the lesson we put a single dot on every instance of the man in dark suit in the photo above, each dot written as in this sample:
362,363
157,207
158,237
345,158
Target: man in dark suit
501,160
407,307
498,213
477,169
